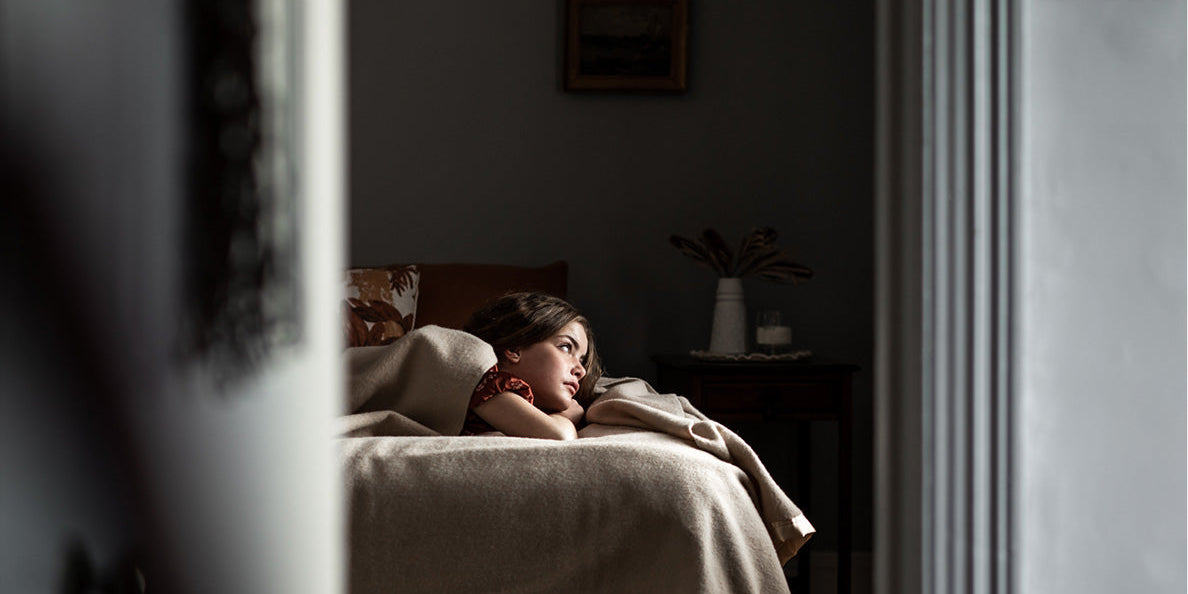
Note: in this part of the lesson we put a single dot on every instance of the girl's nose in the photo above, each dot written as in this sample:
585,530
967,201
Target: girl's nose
579,371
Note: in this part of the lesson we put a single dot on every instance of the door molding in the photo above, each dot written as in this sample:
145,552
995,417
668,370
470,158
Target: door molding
946,181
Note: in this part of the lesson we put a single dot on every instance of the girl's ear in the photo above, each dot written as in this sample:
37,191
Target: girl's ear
512,355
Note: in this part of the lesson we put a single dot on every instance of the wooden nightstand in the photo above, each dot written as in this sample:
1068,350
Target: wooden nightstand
797,391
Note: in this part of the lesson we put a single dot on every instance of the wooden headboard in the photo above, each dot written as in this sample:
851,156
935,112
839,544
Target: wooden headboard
449,293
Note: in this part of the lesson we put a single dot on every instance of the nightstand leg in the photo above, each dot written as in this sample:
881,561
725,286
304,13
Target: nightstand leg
804,497
845,493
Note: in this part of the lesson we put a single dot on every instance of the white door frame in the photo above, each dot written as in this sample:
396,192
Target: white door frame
946,181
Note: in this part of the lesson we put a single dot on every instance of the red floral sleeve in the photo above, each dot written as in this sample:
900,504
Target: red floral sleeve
493,382
497,382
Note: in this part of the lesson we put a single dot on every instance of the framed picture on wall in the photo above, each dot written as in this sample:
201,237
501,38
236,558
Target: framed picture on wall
626,45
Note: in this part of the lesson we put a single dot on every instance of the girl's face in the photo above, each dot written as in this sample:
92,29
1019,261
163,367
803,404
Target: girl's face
553,366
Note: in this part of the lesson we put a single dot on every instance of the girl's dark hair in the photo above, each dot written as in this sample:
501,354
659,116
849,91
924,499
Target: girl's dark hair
520,320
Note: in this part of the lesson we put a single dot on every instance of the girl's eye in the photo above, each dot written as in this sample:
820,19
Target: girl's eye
565,346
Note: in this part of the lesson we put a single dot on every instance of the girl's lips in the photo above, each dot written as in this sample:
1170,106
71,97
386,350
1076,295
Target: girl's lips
573,388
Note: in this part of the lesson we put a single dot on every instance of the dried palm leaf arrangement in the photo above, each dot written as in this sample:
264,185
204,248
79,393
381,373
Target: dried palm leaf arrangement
757,255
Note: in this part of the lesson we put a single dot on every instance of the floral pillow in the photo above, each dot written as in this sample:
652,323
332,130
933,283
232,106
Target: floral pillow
381,304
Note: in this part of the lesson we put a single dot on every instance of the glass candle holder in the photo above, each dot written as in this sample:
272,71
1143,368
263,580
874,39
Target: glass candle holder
772,333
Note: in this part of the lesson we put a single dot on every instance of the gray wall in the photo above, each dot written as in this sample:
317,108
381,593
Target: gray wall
1101,429
465,148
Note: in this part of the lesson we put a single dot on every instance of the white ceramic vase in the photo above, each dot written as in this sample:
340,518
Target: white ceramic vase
729,332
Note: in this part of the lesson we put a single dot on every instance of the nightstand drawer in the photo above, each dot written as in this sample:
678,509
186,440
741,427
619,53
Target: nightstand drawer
785,398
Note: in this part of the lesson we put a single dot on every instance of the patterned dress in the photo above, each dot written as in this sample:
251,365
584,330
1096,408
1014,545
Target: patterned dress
493,382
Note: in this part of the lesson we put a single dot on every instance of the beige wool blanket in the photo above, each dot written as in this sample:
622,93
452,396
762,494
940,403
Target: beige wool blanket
654,496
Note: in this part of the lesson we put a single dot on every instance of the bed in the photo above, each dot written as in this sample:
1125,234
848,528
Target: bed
652,497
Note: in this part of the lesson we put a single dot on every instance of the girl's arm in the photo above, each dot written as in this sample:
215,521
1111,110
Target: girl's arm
574,412
514,416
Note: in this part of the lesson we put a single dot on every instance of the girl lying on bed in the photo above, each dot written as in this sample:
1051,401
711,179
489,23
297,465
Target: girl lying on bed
547,367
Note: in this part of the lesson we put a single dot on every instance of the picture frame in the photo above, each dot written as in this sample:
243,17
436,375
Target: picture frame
627,45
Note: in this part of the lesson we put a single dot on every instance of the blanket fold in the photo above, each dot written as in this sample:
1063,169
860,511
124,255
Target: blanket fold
634,403
427,376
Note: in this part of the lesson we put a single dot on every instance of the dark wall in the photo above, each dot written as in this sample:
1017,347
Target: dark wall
464,148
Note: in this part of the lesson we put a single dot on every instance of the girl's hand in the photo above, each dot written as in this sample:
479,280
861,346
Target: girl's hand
574,412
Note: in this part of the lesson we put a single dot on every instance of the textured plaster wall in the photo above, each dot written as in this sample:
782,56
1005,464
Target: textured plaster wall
1101,402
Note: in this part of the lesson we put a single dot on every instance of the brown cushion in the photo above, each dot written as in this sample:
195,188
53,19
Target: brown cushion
380,305
449,293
